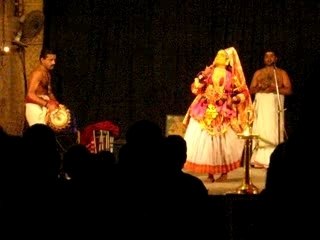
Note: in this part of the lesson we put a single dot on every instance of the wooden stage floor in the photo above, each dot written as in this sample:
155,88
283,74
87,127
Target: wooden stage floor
234,181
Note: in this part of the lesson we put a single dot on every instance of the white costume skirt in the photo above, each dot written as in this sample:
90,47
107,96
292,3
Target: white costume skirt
212,154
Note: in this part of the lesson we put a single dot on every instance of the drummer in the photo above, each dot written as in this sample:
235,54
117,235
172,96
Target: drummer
40,99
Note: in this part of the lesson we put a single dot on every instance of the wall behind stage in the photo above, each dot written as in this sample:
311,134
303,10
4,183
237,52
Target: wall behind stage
129,60
16,65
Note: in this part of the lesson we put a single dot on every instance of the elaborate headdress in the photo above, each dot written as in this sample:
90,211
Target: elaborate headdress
235,64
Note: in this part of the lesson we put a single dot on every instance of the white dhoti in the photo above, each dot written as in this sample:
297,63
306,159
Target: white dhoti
267,126
36,113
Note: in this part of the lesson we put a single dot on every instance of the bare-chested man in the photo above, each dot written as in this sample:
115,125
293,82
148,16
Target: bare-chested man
269,85
40,98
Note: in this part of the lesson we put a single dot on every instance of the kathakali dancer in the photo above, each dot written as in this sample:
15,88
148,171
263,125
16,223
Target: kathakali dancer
220,111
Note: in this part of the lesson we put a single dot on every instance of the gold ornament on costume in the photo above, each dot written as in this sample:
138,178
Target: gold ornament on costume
211,112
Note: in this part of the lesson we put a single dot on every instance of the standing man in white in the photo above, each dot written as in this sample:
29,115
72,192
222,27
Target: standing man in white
269,86
40,98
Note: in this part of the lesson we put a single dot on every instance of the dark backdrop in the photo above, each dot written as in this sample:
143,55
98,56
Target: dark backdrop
125,60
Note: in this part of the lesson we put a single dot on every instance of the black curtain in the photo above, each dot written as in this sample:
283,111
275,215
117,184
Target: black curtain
135,59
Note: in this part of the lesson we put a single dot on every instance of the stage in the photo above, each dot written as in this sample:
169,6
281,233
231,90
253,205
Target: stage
234,181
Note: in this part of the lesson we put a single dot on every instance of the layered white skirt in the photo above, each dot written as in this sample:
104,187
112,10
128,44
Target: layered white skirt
212,154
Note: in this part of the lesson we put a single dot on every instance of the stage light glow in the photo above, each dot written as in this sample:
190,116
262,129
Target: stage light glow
6,49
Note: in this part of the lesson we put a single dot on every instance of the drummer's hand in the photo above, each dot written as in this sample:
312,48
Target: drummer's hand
52,105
